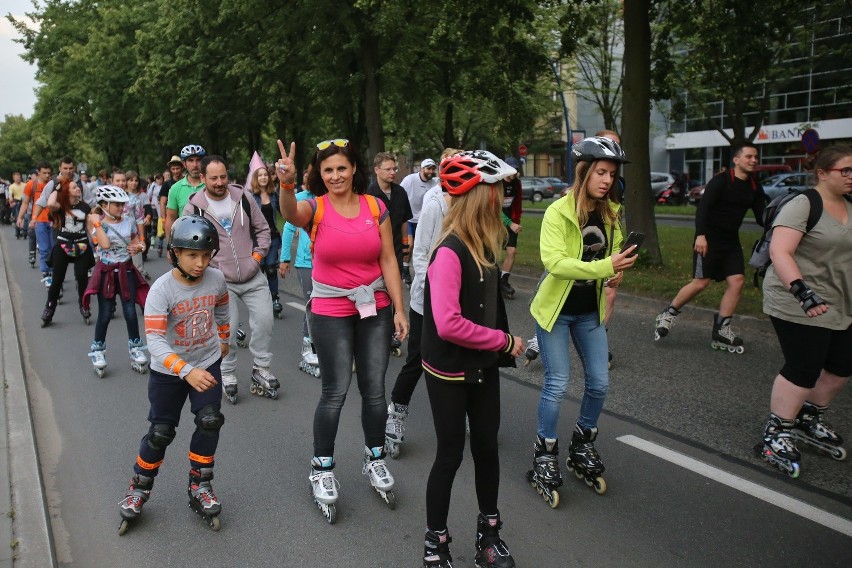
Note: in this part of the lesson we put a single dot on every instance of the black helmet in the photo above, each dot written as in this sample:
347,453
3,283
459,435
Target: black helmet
598,148
194,232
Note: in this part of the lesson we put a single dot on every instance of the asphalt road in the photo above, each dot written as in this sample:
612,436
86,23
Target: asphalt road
676,437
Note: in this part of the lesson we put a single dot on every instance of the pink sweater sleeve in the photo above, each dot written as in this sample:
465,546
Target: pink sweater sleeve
444,276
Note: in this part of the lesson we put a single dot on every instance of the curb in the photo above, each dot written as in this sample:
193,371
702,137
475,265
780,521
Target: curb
26,519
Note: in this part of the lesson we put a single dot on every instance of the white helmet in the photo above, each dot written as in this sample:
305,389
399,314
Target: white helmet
112,194
463,171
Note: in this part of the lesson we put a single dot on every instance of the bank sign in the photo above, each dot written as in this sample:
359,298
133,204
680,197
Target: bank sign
769,134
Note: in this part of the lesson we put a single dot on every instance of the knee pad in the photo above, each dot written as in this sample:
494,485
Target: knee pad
209,420
160,436
271,271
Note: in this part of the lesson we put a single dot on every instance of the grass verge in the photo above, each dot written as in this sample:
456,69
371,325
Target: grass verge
659,282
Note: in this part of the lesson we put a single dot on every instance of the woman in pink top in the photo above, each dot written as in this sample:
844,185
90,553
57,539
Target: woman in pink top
355,281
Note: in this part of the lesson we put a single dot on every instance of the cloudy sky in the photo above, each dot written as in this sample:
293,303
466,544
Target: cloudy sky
17,78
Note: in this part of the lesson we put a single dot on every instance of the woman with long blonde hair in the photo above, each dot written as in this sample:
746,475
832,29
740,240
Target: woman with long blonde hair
465,340
580,243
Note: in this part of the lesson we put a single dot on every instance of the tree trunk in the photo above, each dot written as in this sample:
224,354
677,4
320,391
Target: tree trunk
635,125
372,111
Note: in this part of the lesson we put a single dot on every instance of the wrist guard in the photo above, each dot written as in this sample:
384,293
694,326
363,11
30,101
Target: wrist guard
807,298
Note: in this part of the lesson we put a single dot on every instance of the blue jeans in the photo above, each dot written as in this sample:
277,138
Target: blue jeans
44,240
337,340
590,341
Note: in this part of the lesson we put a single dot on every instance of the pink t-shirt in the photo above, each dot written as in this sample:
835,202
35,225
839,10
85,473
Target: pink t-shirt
346,255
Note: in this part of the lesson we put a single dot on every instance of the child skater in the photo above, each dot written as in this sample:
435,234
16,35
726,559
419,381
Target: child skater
187,324
464,342
114,275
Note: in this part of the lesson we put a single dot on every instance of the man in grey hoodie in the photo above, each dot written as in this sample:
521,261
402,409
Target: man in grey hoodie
244,239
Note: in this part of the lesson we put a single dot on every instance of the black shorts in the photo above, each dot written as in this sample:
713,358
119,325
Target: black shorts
512,239
721,261
809,349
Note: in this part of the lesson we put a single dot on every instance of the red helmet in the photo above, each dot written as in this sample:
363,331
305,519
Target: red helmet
462,172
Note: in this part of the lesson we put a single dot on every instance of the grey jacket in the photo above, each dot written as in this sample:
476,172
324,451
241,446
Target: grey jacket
428,230
235,258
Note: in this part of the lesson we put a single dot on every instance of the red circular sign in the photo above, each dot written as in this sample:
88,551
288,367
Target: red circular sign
522,150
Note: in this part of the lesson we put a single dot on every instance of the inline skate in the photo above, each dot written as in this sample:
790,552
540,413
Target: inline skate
778,448
202,500
395,428
545,476
47,314
46,279
491,551
406,275
324,486
97,352
377,472
277,307
264,383
812,430
136,496
436,549
531,354
138,360
242,340
505,288
583,458
724,337
664,322
229,388
396,346
32,258
87,315
309,362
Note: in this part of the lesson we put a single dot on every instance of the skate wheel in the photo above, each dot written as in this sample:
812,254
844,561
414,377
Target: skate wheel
122,528
253,389
568,465
331,513
656,336
599,485
740,350
390,499
273,394
397,352
794,470
579,475
43,323
554,499
732,349
838,454
100,373
215,524
88,321
393,450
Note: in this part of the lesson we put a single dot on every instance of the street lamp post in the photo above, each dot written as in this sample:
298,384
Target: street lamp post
569,170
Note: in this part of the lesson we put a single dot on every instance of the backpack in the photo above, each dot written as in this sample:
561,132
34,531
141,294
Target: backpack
760,258
320,212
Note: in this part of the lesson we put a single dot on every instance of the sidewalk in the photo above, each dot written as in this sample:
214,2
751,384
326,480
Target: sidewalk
25,538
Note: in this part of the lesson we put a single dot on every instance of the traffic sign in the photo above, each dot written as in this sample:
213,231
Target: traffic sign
522,150
810,140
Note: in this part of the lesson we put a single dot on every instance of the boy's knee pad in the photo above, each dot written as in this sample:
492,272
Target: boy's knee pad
209,420
160,436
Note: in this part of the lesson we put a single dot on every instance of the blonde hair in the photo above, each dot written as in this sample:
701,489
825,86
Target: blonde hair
474,217
255,186
449,152
585,205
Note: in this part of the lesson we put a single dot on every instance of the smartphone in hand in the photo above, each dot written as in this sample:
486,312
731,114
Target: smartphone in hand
633,238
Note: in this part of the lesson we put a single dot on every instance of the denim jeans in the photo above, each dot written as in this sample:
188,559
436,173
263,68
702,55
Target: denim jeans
337,340
44,240
590,341
129,308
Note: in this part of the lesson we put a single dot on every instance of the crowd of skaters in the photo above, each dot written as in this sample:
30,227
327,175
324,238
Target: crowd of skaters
224,243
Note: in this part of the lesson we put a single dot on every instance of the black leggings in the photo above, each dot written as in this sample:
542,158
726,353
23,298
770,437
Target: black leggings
60,261
450,403
412,369
809,349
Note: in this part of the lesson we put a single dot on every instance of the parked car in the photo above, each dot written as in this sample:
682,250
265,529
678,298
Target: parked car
535,189
773,186
558,185
763,171
660,181
782,183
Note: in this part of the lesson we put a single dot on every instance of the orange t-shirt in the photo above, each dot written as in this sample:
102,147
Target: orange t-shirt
44,216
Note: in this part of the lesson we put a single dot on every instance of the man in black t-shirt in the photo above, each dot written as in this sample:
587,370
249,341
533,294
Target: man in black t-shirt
718,253
176,170
395,199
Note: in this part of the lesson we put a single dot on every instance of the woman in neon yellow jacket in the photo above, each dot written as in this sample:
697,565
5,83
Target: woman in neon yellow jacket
580,240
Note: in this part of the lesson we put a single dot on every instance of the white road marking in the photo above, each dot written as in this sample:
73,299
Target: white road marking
296,305
826,519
